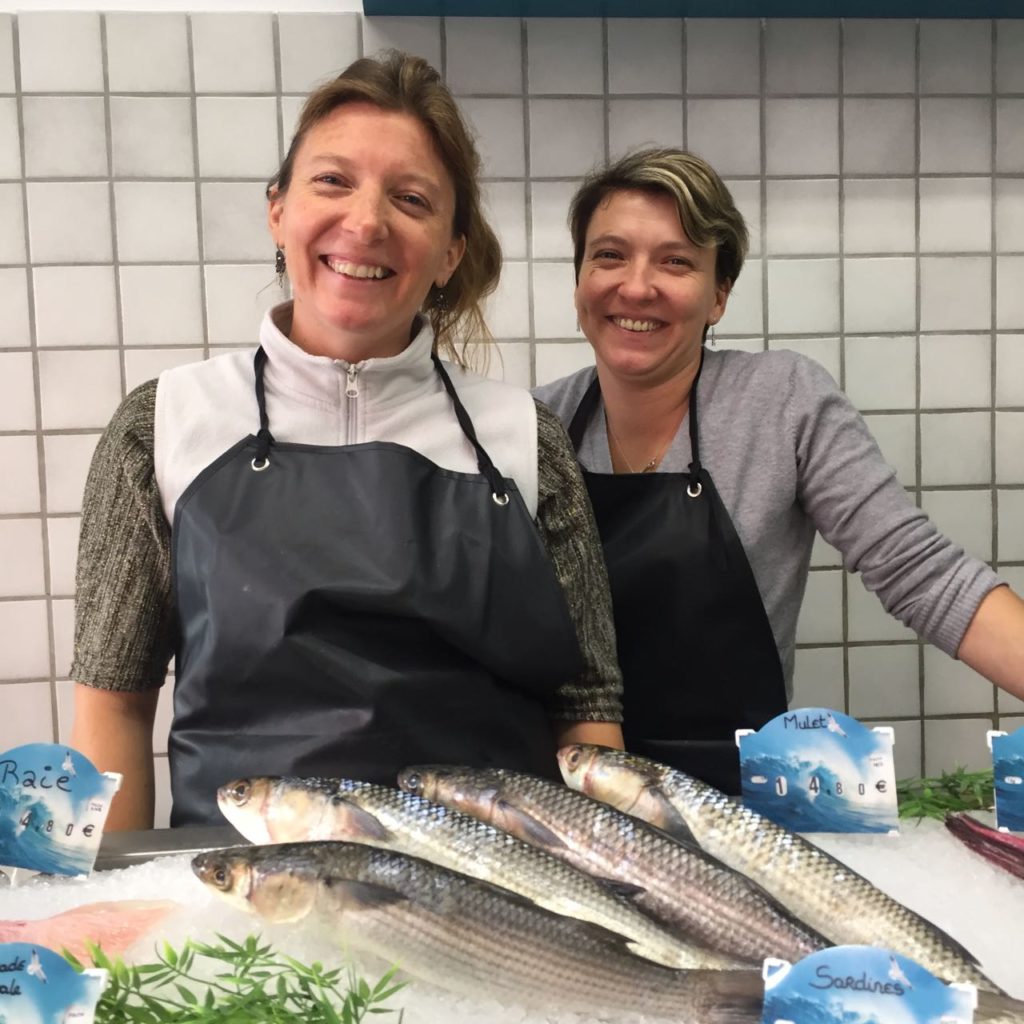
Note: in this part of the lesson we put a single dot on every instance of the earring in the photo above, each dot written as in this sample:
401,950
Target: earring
279,265
713,336
579,330
441,301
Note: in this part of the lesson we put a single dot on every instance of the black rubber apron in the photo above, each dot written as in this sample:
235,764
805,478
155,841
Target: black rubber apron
348,611
697,652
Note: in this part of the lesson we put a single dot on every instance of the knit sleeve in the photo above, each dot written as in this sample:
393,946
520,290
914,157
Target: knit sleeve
124,625
570,535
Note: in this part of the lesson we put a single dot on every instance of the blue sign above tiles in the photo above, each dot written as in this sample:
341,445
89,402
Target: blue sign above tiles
700,8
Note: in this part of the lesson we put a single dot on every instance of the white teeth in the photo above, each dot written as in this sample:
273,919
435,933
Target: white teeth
358,269
636,325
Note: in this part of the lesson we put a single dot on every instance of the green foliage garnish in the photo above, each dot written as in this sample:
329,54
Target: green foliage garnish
958,790
245,983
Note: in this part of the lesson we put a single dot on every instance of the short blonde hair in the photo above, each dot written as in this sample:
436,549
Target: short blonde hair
398,81
706,208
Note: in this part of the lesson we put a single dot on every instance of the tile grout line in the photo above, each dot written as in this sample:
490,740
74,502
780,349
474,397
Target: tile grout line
198,185
531,308
993,323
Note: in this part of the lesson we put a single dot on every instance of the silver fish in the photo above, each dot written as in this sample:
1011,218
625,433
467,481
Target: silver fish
819,889
468,936
281,810
681,886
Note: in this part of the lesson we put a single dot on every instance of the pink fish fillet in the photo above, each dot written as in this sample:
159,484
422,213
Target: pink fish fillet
115,925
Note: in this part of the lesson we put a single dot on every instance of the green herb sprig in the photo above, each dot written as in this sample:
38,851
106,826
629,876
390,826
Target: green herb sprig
958,790
243,983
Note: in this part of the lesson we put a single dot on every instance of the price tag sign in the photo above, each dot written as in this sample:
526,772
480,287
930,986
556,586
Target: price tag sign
53,805
861,983
1008,773
816,770
38,986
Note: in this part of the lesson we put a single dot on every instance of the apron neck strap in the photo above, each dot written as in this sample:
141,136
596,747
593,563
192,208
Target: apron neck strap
264,439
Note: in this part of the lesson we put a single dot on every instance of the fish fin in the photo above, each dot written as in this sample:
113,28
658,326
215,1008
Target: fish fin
531,830
674,825
998,1007
363,894
738,997
364,823
656,956
627,890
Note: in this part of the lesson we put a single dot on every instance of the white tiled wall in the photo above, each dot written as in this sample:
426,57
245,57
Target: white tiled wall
880,163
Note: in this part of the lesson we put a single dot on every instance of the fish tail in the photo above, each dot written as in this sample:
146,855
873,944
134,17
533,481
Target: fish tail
735,997
998,1009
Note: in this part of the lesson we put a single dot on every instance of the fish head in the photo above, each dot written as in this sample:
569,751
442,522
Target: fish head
475,791
266,809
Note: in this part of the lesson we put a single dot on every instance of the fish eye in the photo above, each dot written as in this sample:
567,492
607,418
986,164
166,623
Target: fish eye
412,782
240,790
572,758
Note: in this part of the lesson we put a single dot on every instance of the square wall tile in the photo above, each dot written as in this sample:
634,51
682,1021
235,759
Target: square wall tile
1009,56
499,130
956,214
803,296
554,313
233,52
879,215
60,51
637,124
69,222
291,108
906,749
956,293
17,392
148,52
144,364
802,55
484,55
896,437
315,48
549,205
963,516
723,56
162,793
726,133
66,464
75,306
510,362
956,371
10,139
20,458
65,137
63,635
566,137
557,360
879,294
881,373
745,311
868,620
549,40
14,302
803,136
1009,369
21,555
879,55
823,555
746,195
821,614
79,389
12,240
236,299
1010,447
24,648
956,55
34,721
235,222
1010,506
62,536
1009,214
818,679
645,55
156,221
803,217
956,448
824,351
884,681
6,53
956,741
237,136
161,305
1009,292
969,121
508,308
421,36
151,137
878,136
750,345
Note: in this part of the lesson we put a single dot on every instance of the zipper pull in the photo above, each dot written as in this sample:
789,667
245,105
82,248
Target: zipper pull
352,388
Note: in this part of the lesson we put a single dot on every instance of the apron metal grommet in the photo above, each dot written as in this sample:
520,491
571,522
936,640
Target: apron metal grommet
694,492
259,469
500,499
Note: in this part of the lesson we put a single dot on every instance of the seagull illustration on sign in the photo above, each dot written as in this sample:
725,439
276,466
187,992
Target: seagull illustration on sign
896,973
35,968
834,726
68,764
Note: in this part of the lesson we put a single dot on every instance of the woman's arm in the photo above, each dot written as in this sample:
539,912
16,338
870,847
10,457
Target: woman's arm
994,642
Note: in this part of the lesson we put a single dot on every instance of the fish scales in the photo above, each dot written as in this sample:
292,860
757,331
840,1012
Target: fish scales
469,936
276,810
679,885
821,890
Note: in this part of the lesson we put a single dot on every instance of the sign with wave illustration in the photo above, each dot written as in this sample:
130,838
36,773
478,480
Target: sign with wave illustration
1008,775
861,985
53,805
37,986
817,770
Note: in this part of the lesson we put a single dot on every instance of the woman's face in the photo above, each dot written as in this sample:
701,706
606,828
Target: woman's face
646,291
366,229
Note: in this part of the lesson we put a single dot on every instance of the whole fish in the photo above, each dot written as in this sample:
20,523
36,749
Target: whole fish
282,810
1000,848
819,889
468,936
679,885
